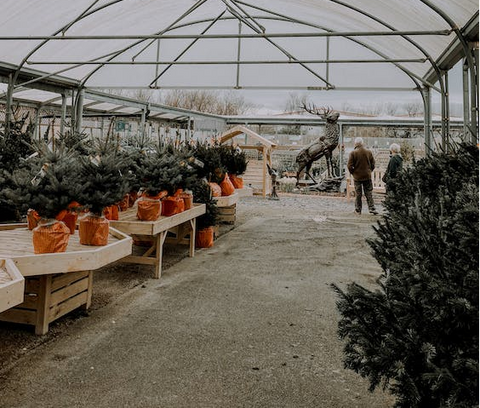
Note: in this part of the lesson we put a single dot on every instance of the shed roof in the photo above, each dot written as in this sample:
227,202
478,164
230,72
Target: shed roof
239,129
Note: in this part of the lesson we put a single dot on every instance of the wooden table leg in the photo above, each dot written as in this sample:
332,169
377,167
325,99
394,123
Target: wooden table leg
86,306
43,308
159,240
193,223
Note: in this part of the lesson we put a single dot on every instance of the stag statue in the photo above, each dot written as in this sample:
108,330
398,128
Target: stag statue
323,146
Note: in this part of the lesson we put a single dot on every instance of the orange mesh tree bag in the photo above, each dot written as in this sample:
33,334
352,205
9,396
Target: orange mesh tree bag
32,219
50,236
236,181
204,238
148,209
226,186
111,212
216,189
172,205
187,200
93,230
69,218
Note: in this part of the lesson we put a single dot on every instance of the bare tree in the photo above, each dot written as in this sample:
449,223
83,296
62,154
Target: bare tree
205,101
295,102
413,108
391,108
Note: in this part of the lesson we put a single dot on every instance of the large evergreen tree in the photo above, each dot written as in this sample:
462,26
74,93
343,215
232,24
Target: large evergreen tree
417,334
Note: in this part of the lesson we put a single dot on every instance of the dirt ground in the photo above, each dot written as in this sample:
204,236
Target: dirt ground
118,284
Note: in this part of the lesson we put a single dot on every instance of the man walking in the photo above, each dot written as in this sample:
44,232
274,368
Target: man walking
360,165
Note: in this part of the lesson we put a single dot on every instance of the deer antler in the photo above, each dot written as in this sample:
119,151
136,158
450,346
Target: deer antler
322,111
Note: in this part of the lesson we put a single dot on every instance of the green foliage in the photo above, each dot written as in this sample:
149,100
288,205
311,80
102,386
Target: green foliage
233,159
47,183
158,172
15,146
202,194
103,179
213,168
417,334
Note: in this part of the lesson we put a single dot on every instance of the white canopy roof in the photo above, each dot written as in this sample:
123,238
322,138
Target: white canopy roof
235,44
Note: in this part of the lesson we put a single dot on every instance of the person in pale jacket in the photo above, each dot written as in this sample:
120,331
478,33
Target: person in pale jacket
360,165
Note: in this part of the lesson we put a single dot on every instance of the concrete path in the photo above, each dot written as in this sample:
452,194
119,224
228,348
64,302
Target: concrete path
250,322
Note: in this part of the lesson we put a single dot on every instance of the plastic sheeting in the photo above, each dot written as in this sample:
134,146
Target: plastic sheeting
186,17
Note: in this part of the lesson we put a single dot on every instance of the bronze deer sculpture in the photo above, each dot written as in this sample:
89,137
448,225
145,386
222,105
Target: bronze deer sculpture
323,146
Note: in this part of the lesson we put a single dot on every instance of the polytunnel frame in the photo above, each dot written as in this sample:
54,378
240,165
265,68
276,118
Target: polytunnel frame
238,12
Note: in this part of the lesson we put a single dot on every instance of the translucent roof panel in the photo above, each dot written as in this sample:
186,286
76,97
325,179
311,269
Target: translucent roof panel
195,44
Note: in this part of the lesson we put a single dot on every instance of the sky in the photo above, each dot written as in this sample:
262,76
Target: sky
272,102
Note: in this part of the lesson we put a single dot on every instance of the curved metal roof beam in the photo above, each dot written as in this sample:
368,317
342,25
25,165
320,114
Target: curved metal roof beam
280,17
411,41
87,12
121,51
405,70
469,58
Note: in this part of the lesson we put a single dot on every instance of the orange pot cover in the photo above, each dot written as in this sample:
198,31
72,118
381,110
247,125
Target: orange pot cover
132,198
187,200
49,237
111,212
69,218
236,181
93,230
204,238
125,203
216,189
227,186
148,209
32,219
172,205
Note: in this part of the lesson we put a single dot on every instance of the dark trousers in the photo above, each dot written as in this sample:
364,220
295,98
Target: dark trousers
367,187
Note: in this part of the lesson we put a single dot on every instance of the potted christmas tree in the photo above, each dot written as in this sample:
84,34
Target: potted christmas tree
213,170
104,184
48,183
159,176
235,162
205,233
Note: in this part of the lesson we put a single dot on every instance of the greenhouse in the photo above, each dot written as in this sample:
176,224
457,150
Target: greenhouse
181,192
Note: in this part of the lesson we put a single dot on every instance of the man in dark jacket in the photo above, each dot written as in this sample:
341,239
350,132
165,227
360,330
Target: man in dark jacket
360,165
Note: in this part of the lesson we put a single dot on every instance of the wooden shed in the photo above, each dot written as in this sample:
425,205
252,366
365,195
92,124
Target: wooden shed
259,153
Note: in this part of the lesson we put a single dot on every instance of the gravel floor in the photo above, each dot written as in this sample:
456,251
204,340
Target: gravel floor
250,322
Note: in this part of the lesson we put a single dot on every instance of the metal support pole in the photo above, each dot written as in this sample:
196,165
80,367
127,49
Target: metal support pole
446,118
467,135
142,123
340,155
79,110
474,95
239,48
8,112
476,111
36,129
427,102
64,114
189,131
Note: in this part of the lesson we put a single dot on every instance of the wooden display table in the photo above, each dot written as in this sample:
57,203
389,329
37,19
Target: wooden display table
55,283
12,285
181,225
227,207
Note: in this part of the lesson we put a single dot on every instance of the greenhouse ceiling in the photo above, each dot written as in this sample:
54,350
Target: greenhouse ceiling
277,44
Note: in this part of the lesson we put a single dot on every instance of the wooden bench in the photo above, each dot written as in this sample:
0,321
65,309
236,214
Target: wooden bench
155,233
378,184
55,283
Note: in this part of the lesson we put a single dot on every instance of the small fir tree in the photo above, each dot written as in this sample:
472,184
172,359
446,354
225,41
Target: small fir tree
233,159
203,195
213,169
47,183
104,183
417,334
